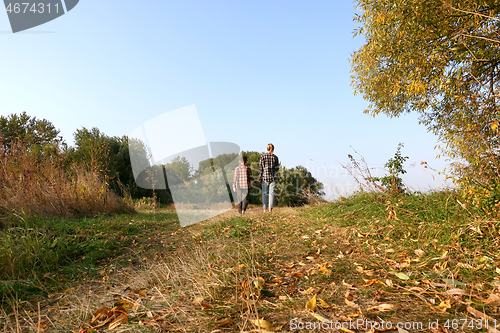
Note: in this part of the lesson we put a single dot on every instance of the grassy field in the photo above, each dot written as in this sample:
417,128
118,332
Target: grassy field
368,261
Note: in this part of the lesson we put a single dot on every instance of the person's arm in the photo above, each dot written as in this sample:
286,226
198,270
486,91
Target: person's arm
235,179
261,168
276,166
249,174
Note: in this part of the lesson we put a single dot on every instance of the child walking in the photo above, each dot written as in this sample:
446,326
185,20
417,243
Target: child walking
242,182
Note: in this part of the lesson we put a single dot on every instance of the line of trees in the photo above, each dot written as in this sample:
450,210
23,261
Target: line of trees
109,157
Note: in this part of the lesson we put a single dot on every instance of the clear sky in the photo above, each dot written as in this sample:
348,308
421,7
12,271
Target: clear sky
257,71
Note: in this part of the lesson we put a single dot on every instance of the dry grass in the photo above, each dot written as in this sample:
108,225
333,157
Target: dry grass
198,287
35,184
361,262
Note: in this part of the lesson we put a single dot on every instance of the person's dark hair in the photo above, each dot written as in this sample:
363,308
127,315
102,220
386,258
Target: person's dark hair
243,158
270,148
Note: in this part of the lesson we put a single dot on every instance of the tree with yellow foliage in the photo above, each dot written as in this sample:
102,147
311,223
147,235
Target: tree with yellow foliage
440,59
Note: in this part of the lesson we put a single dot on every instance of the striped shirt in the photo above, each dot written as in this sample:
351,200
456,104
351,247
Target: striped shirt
242,177
268,167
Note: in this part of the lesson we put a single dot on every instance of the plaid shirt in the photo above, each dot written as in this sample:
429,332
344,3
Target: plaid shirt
268,167
242,177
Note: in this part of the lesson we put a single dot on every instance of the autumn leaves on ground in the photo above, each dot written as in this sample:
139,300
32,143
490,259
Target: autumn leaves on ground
367,262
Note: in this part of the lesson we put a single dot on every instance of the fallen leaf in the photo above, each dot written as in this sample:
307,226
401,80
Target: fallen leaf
402,276
453,282
142,292
419,252
101,313
350,286
318,316
457,291
444,305
124,303
493,299
385,307
121,319
389,283
351,304
206,306
311,305
372,281
479,314
262,323
310,290
323,303
325,271
239,267
198,300
224,322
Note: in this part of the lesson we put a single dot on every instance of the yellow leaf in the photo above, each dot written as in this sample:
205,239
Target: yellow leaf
402,276
494,125
142,292
198,300
124,303
262,323
310,290
370,282
224,322
121,319
444,305
240,266
325,271
323,303
311,305
346,330
101,313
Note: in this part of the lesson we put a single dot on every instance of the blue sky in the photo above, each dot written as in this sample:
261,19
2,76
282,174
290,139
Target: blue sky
257,71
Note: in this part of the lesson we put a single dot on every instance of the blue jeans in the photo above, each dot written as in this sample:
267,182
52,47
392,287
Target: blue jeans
268,191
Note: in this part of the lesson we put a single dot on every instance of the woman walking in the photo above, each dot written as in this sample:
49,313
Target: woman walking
268,175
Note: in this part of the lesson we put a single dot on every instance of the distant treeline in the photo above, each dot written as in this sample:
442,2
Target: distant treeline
28,144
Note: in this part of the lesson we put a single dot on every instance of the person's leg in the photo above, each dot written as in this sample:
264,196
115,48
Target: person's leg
265,194
272,188
239,197
244,201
